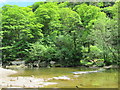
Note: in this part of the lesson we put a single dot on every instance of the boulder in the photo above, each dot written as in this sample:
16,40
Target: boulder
61,78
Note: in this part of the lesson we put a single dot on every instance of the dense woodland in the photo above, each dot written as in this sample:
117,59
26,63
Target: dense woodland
69,33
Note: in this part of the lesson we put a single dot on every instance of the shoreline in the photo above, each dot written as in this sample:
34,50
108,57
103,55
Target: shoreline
20,82
6,72
6,81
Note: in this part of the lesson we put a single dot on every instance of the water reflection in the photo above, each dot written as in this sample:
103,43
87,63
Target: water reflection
105,79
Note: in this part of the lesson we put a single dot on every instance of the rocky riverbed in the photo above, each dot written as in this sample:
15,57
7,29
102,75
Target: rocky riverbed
53,78
20,82
6,72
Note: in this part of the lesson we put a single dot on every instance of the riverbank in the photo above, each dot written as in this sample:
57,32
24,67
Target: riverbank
6,72
20,82
58,77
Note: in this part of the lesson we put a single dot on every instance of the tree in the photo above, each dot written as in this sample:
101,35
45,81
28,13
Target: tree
103,32
19,27
36,5
63,32
45,14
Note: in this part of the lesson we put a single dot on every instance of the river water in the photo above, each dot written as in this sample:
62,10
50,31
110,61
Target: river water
104,79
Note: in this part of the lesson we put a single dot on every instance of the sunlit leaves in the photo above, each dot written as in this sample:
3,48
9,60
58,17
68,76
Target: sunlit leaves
64,32
87,13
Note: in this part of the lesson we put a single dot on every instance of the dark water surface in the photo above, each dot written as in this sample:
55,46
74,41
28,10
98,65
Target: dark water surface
104,79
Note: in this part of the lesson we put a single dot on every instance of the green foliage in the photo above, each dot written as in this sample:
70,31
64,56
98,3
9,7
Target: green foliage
70,34
103,34
87,13
95,52
36,5
92,57
47,14
18,30
37,51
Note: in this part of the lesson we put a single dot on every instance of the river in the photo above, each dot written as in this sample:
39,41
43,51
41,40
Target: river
104,79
